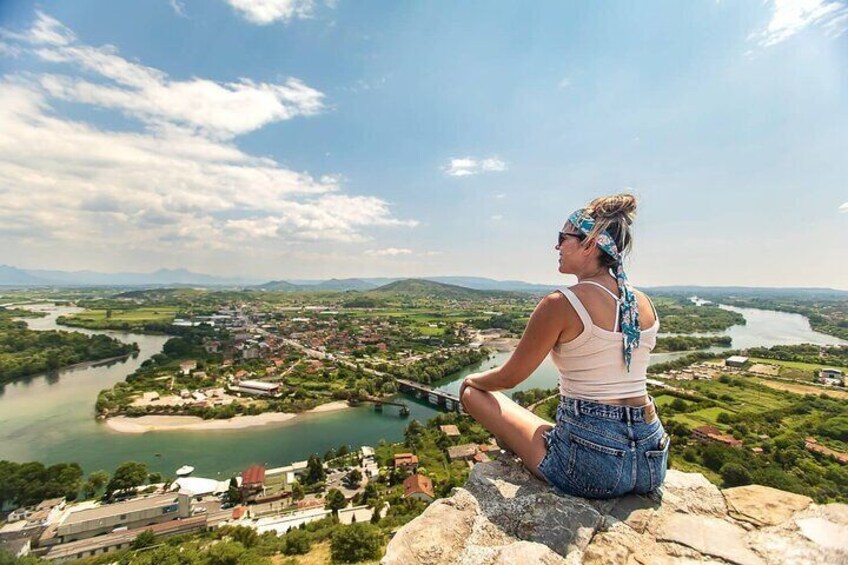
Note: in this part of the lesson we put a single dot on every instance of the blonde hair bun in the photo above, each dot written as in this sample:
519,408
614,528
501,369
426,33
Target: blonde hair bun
617,206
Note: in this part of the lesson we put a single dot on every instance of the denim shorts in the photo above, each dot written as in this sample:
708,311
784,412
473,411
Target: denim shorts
604,450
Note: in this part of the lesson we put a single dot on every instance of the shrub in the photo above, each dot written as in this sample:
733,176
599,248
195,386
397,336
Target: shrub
356,542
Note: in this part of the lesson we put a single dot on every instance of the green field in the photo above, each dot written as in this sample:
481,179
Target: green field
790,364
154,314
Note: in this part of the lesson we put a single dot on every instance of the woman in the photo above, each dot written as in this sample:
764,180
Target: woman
608,440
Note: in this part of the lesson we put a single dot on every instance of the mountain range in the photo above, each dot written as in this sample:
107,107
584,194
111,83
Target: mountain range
16,277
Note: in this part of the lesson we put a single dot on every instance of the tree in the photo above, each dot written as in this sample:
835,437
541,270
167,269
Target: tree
233,492
354,478
96,481
724,418
225,553
356,542
127,476
144,539
412,434
679,405
297,491
248,537
155,478
335,500
735,475
314,470
297,542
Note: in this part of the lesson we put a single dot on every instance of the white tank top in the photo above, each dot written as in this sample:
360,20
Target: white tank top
591,366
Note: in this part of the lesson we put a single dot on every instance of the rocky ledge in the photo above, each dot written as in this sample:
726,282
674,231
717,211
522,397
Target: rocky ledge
504,515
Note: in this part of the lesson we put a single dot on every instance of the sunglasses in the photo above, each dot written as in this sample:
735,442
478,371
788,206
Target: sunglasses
562,235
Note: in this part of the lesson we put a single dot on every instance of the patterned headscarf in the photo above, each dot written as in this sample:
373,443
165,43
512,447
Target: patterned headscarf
628,310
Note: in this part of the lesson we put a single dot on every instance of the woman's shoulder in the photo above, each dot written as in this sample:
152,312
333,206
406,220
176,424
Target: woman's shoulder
646,307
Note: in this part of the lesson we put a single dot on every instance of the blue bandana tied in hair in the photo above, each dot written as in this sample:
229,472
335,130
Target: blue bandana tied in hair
628,309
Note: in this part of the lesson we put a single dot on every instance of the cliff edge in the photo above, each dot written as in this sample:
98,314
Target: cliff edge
504,515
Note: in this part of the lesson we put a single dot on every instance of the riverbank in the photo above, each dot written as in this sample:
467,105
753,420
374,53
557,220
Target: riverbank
144,424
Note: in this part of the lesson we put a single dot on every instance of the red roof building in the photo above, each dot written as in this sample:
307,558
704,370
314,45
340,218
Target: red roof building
253,476
406,461
418,486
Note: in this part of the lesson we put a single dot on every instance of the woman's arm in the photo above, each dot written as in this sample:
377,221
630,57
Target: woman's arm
540,335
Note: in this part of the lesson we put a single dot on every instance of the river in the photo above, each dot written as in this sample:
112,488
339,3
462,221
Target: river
50,418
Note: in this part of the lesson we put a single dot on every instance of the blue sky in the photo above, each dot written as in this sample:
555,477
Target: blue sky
307,139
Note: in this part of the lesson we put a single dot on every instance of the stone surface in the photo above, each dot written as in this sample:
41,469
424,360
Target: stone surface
504,515
709,536
763,506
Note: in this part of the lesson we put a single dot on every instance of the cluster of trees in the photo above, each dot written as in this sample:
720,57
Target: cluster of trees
836,355
532,395
440,365
785,462
690,343
679,315
26,484
26,352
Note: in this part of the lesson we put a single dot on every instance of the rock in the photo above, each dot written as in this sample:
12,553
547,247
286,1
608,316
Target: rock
434,536
763,506
709,536
504,515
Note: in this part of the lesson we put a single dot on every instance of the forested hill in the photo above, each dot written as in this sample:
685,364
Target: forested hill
421,288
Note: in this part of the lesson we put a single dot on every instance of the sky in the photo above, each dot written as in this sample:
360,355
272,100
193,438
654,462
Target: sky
292,139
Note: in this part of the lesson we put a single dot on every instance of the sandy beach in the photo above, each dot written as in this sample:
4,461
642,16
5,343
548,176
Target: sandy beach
124,424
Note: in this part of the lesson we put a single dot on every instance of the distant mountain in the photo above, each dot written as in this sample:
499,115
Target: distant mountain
280,286
343,285
162,277
422,288
12,276
481,283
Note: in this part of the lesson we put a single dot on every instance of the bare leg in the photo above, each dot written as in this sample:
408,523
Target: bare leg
516,427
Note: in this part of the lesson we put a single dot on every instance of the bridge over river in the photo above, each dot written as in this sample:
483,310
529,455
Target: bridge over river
443,400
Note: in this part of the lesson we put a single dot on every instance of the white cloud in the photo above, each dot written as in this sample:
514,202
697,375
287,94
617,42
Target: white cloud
497,217
500,196
844,207
467,166
564,83
219,109
792,16
388,252
264,12
178,7
179,181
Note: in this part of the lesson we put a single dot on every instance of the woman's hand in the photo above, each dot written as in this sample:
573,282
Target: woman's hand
469,381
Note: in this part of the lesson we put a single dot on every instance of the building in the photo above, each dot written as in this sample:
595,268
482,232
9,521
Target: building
279,480
101,544
736,361
187,367
252,481
419,487
406,462
257,388
464,452
712,433
829,373
450,430
136,513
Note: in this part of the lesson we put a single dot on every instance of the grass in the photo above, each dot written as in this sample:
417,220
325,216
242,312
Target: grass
665,400
803,389
319,554
790,364
709,415
155,314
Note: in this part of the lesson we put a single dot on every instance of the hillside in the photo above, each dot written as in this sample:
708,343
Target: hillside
421,288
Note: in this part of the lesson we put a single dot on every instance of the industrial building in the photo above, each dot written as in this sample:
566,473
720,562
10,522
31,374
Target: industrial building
131,514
